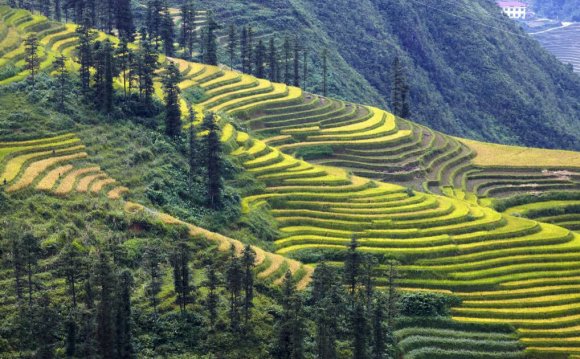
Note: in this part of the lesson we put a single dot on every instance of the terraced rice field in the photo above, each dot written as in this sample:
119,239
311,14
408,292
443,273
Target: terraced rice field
57,164
333,170
564,43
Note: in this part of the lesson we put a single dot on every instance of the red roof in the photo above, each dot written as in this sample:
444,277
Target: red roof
511,4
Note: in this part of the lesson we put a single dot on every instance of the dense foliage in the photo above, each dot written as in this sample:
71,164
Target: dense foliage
558,9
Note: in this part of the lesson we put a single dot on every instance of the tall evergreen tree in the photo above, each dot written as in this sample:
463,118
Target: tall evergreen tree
244,49
211,56
273,61
187,36
296,63
147,65
167,32
85,56
232,45
30,252
105,282
304,68
212,299
192,149
352,266
400,91
234,284
325,72
213,163
393,296
260,58
123,344
62,77
31,57
124,20
359,331
57,10
73,266
171,80
326,305
287,51
124,56
378,328
250,50
104,75
248,263
290,325
45,327
180,257
152,260
154,20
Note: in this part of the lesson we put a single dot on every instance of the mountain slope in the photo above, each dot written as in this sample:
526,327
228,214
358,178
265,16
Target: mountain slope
486,79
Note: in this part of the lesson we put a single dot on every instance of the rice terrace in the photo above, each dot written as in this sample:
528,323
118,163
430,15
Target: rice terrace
177,184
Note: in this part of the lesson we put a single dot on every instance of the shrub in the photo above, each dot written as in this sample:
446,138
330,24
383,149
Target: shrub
426,304
313,152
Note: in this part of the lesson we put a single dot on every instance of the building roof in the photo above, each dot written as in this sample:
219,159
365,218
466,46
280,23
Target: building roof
511,4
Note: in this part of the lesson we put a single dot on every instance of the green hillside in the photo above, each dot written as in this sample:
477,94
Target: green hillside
490,231
486,79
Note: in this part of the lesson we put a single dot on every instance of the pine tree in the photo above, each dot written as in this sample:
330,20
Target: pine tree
260,59
273,61
290,325
30,250
232,45
378,328
213,163
188,34
234,284
85,56
287,50
192,149
352,266
296,63
368,265
304,68
17,261
123,345
124,20
147,65
73,266
104,75
359,331
211,56
250,50
105,282
180,257
248,263
171,80
325,73
45,327
400,91
71,330
393,296
167,32
154,20
57,10
123,56
61,77
212,299
326,307
31,57
152,259
244,49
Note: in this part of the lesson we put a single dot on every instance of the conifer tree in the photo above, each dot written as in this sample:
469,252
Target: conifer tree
154,20
359,331
104,75
352,266
296,49
123,345
250,50
244,49
167,32
234,284
273,61
61,77
31,57
147,65
71,332
124,20
325,72
73,266
180,257
171,91
152,259
85,56
393,296
57,10
45,327
30,251
260,57
290,325
213,163
188,33
17,262
232,45
378,328
248,263
304,68
327,306
124,56
400,91
192,149
105,282
212,299
287,50
211,56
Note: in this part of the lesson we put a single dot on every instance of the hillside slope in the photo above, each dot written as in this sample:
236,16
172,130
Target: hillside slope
486,79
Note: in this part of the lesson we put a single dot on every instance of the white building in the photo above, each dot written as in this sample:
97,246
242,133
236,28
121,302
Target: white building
514,9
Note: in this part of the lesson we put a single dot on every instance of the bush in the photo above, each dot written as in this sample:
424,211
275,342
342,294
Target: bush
313,152
426,304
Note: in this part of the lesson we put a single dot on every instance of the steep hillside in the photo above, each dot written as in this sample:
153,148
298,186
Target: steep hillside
485,78
329,171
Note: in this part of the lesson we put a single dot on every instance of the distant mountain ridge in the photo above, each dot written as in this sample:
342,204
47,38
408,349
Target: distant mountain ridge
473,72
